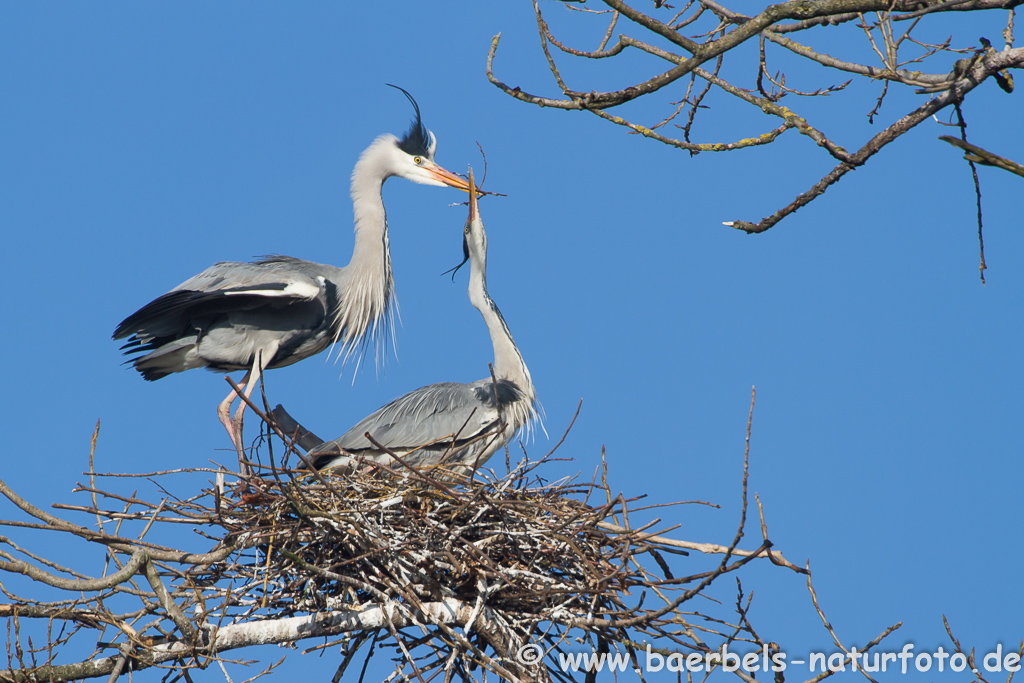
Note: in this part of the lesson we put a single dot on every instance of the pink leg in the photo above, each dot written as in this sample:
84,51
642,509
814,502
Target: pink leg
254,376
224,413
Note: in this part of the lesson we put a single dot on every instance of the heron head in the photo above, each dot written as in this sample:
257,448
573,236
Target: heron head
414,155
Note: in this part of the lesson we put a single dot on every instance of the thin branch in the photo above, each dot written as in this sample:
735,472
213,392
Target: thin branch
984,68
983,156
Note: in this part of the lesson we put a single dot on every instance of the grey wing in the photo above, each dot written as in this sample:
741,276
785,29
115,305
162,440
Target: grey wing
437,412
223,287
223,317
267,276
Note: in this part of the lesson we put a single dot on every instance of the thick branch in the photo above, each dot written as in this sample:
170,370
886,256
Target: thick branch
175,613
270,632
901,12
137,560
793,9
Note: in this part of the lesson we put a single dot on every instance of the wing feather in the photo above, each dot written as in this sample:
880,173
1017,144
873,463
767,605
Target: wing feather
246,285
429,414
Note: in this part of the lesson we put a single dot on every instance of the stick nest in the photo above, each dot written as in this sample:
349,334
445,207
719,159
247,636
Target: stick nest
337,542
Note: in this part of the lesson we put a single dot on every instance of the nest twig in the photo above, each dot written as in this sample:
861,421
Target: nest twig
501,574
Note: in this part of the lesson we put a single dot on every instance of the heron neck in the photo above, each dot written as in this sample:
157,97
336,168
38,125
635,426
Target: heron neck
508,362
371,222
368,280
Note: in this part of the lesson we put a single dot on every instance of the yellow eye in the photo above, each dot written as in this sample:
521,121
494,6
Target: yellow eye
418,160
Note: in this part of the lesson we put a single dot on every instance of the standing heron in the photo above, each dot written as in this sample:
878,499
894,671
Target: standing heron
279,310
456,426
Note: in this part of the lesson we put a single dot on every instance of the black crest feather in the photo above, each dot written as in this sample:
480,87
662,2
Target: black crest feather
465,257
417,141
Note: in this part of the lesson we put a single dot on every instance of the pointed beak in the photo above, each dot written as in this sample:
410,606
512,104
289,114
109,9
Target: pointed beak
447,177
474,212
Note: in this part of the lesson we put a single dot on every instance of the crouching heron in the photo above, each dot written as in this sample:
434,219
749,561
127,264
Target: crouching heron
456,426
279,310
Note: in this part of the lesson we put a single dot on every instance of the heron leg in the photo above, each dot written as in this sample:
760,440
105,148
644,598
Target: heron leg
254,376
224,413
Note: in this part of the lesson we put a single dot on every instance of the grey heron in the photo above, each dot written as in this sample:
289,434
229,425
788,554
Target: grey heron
279,310
457,426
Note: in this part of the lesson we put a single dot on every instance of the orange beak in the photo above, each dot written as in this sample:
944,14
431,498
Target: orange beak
447,177
473,209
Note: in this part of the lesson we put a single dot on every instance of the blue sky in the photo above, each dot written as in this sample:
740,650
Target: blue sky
140,144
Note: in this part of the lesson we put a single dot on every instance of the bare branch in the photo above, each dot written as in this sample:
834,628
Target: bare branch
983,156
138,560
894,44
982,69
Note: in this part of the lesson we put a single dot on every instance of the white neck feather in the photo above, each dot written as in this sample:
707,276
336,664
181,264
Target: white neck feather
368,289
508,362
